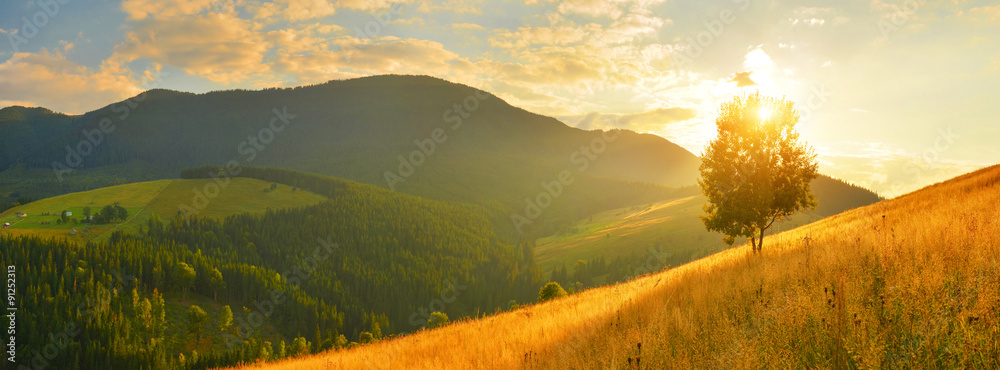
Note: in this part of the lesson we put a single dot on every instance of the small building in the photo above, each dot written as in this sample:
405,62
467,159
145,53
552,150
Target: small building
21,214
72,232
6,225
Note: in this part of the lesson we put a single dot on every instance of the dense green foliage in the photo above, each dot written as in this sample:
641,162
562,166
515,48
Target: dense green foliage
109,213
368,260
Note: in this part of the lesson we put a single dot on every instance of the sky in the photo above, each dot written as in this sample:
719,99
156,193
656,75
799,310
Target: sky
893,95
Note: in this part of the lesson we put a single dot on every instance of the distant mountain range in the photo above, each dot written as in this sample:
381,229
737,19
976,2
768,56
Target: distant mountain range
415,134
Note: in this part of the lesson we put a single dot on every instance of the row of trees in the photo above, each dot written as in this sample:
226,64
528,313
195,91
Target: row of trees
110,213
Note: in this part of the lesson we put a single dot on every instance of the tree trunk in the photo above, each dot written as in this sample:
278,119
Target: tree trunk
753,244
760,245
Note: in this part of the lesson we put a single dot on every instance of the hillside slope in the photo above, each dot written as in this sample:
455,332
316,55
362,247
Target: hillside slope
356,129
416,134
365,259
144,200
669,231
908,282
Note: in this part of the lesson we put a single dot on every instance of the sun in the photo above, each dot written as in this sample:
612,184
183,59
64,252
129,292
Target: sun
764,113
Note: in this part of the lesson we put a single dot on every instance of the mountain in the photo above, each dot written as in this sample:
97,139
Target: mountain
353,129
905,283
416,134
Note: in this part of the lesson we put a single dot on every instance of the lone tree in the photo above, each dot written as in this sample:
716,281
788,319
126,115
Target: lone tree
437,320
755,172
551,291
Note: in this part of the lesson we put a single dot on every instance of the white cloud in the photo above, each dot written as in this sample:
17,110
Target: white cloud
49,79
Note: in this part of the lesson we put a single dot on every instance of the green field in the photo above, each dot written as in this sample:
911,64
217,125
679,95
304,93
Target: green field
143,200
671,228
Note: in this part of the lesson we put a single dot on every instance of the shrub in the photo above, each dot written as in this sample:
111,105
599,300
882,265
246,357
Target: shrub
365,337
551,291
437,319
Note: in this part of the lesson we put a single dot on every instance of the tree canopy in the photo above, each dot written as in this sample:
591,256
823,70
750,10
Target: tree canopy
755,172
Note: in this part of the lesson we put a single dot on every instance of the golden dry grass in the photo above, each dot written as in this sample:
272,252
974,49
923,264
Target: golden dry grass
908,282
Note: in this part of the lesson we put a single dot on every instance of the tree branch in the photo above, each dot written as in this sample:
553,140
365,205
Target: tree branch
773,218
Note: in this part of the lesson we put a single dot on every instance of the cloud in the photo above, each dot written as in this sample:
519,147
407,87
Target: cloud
628,29
467,26
528,36
810,16
648,121
370,5
292,10
218,47
450,6
985,14
811,22
593,8
50,80
141,9
656,119
757,61
414,21
357,57
889,171
553,67
742,79
306,38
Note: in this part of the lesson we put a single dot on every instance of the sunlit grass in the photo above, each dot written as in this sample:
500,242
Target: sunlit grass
145,199
904,283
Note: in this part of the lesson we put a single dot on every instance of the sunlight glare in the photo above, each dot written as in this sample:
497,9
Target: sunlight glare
764,113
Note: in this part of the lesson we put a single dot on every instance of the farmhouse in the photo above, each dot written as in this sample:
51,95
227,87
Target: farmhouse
6,225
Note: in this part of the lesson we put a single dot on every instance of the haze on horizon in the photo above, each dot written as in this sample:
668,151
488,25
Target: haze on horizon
895,95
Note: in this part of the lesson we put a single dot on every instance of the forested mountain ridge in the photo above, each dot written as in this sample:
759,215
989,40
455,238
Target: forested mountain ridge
366,263
354,129
416,134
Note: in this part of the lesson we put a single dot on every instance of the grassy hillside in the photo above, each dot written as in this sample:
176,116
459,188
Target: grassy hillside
143,200
908,282
670,233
